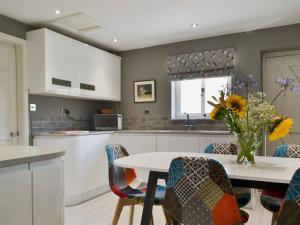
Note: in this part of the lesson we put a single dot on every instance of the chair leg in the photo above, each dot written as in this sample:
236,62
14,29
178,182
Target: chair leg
152,221
167,217
274,217
131,213
118,211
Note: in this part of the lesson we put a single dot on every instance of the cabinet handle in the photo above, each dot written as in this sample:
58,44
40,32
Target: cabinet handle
88,87
14,134
61,82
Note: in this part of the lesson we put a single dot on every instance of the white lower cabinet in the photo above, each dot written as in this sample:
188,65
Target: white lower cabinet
86,167
48,192
177,143
15,195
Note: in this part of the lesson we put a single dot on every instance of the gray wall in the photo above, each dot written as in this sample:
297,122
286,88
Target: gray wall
49,116
13,27
148,63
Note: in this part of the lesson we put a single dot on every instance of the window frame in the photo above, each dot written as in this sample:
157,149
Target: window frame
175,95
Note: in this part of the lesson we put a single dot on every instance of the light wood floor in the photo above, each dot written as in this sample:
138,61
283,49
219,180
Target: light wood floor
99,211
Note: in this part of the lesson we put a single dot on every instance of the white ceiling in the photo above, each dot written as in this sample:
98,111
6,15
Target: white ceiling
143,23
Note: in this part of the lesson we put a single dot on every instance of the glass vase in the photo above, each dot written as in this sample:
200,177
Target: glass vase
248,144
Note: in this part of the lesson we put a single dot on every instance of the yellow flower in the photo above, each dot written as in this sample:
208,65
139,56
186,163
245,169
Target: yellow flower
281,128
236,104
215,113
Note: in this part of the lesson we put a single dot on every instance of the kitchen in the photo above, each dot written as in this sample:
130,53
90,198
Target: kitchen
82,88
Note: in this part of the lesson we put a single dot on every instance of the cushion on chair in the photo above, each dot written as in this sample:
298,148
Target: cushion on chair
289,213
199,192
270,199
124,182
243,195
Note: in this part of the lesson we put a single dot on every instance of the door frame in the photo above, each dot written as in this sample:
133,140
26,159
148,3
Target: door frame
22,86
273,55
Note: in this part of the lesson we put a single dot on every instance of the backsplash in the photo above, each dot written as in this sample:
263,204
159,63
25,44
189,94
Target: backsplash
59,123
165,123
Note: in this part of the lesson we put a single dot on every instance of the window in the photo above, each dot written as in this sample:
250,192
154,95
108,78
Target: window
191,96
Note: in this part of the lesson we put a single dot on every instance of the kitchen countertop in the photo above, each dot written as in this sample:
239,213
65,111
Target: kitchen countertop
193,132
15,155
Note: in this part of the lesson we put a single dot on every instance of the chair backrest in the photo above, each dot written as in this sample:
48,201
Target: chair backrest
221,148
119,178
288,151
289,213
199,192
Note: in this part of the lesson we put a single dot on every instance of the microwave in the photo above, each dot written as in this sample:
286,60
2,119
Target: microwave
107,122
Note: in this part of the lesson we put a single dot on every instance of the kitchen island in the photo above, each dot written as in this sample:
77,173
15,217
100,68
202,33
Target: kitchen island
31,185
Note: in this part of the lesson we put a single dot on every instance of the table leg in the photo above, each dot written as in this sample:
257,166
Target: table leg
150,195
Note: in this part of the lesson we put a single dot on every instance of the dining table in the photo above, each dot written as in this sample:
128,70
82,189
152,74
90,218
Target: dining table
267,172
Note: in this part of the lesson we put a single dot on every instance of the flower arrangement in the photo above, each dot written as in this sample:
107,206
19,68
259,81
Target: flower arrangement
247,116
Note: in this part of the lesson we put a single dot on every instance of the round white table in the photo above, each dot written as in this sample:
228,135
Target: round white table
266,173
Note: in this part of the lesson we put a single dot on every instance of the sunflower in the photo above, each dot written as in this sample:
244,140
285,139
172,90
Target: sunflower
280,128
215,114
236,104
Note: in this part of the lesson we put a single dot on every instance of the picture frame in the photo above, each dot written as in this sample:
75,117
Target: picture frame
144,91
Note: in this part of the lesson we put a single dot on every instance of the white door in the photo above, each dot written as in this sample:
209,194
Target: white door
8,94
279,65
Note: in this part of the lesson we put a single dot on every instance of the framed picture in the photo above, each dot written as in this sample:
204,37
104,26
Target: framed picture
144,91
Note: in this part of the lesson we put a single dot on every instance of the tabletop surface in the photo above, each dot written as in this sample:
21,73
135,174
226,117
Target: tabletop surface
267,169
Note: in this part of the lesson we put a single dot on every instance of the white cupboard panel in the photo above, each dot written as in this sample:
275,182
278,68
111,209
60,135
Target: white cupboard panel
177,143
109,81
15,195
61,63
97,164
48,192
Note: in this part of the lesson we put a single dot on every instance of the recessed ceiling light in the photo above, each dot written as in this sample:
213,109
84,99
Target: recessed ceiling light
57,12
194,25
116,40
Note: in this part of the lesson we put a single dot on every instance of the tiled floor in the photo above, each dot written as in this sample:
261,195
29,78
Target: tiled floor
99,211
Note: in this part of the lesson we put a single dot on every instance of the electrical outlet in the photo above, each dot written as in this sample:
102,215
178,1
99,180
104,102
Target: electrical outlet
32,107
65,112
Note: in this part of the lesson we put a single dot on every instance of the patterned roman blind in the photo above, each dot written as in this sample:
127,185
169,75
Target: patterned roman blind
212,63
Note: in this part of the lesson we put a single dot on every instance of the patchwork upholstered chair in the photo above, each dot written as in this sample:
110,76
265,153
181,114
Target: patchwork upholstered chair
199,192
289,213
272,199
127,186
243,195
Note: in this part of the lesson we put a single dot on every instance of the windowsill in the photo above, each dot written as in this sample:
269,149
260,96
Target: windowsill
183,119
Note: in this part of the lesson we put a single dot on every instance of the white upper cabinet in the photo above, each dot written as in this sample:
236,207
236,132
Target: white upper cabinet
110,70
58,65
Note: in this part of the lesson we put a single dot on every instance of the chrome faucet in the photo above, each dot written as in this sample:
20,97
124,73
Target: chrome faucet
188,123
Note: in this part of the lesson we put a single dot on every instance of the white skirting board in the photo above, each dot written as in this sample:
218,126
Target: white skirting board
83,197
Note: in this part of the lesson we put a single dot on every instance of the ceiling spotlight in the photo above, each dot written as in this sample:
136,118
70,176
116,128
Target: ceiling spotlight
57,12
194,25
116,40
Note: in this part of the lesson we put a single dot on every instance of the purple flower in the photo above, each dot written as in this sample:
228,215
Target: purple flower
286,84
247,81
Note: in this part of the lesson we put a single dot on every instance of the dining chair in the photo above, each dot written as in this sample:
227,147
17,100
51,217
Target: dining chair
272,199
199,192
289,213
243,195
127,186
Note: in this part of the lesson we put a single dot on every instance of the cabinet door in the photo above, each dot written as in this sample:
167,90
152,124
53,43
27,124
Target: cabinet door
208,139
15,195
177,143
74,159
88,71
136,143
109,80
97,164
61,64
48,192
